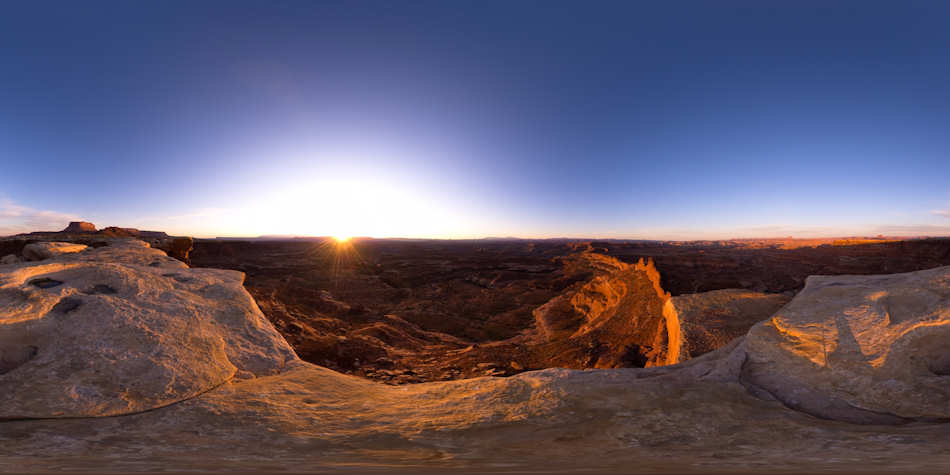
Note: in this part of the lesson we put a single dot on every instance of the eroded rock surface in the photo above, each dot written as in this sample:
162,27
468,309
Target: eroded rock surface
619,318
38,251
713,412
124,328
870,349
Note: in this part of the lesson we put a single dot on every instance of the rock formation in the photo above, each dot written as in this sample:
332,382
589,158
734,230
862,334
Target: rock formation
620,318
76,227
38,251
871,349
123,328
106,333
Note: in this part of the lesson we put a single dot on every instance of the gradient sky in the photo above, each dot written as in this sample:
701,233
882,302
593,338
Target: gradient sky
465,119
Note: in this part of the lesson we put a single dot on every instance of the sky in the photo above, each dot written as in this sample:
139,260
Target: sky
456,119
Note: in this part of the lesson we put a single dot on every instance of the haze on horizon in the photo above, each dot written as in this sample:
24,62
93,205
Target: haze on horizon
686,120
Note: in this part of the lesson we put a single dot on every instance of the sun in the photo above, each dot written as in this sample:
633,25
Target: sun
341,239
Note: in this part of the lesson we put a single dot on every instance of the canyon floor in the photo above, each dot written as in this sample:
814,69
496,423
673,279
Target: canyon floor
536,357
409,311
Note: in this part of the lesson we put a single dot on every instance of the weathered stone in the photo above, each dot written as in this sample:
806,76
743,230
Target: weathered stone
867,349
37,251
10,259
111,335
619,318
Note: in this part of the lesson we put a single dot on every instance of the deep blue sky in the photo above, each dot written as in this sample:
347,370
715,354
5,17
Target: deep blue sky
448,118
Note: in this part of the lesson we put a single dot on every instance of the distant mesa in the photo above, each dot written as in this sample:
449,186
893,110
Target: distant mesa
80,227
85,227
86,233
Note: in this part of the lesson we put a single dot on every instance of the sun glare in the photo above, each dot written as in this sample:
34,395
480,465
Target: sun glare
342,207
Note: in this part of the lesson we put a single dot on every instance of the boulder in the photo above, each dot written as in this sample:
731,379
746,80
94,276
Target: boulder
124,329
10,259
80,227
710,320
862,349
37,251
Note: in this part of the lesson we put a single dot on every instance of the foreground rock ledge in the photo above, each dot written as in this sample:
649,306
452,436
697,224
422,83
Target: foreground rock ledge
716,411
864,349
123,329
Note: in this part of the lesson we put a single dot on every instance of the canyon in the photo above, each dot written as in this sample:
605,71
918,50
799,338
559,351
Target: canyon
117,357
409,311
551,356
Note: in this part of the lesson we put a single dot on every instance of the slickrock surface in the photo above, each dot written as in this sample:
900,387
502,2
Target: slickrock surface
713,412
123,329
859,348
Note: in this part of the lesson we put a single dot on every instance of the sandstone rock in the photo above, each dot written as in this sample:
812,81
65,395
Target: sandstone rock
620,318
106,332
79,227
10,259
866,349
710,320
690,417
38,251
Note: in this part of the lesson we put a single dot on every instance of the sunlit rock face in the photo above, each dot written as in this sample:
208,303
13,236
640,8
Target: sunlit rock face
37,251
619,318
622,317
865,349
124,328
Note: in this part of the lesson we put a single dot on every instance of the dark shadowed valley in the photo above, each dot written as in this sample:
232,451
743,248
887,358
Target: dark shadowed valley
408,311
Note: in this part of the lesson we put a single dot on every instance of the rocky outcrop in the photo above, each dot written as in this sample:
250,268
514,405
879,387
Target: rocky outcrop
37,251
153,334
76,227
123,329
619,318
868,349
710,320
